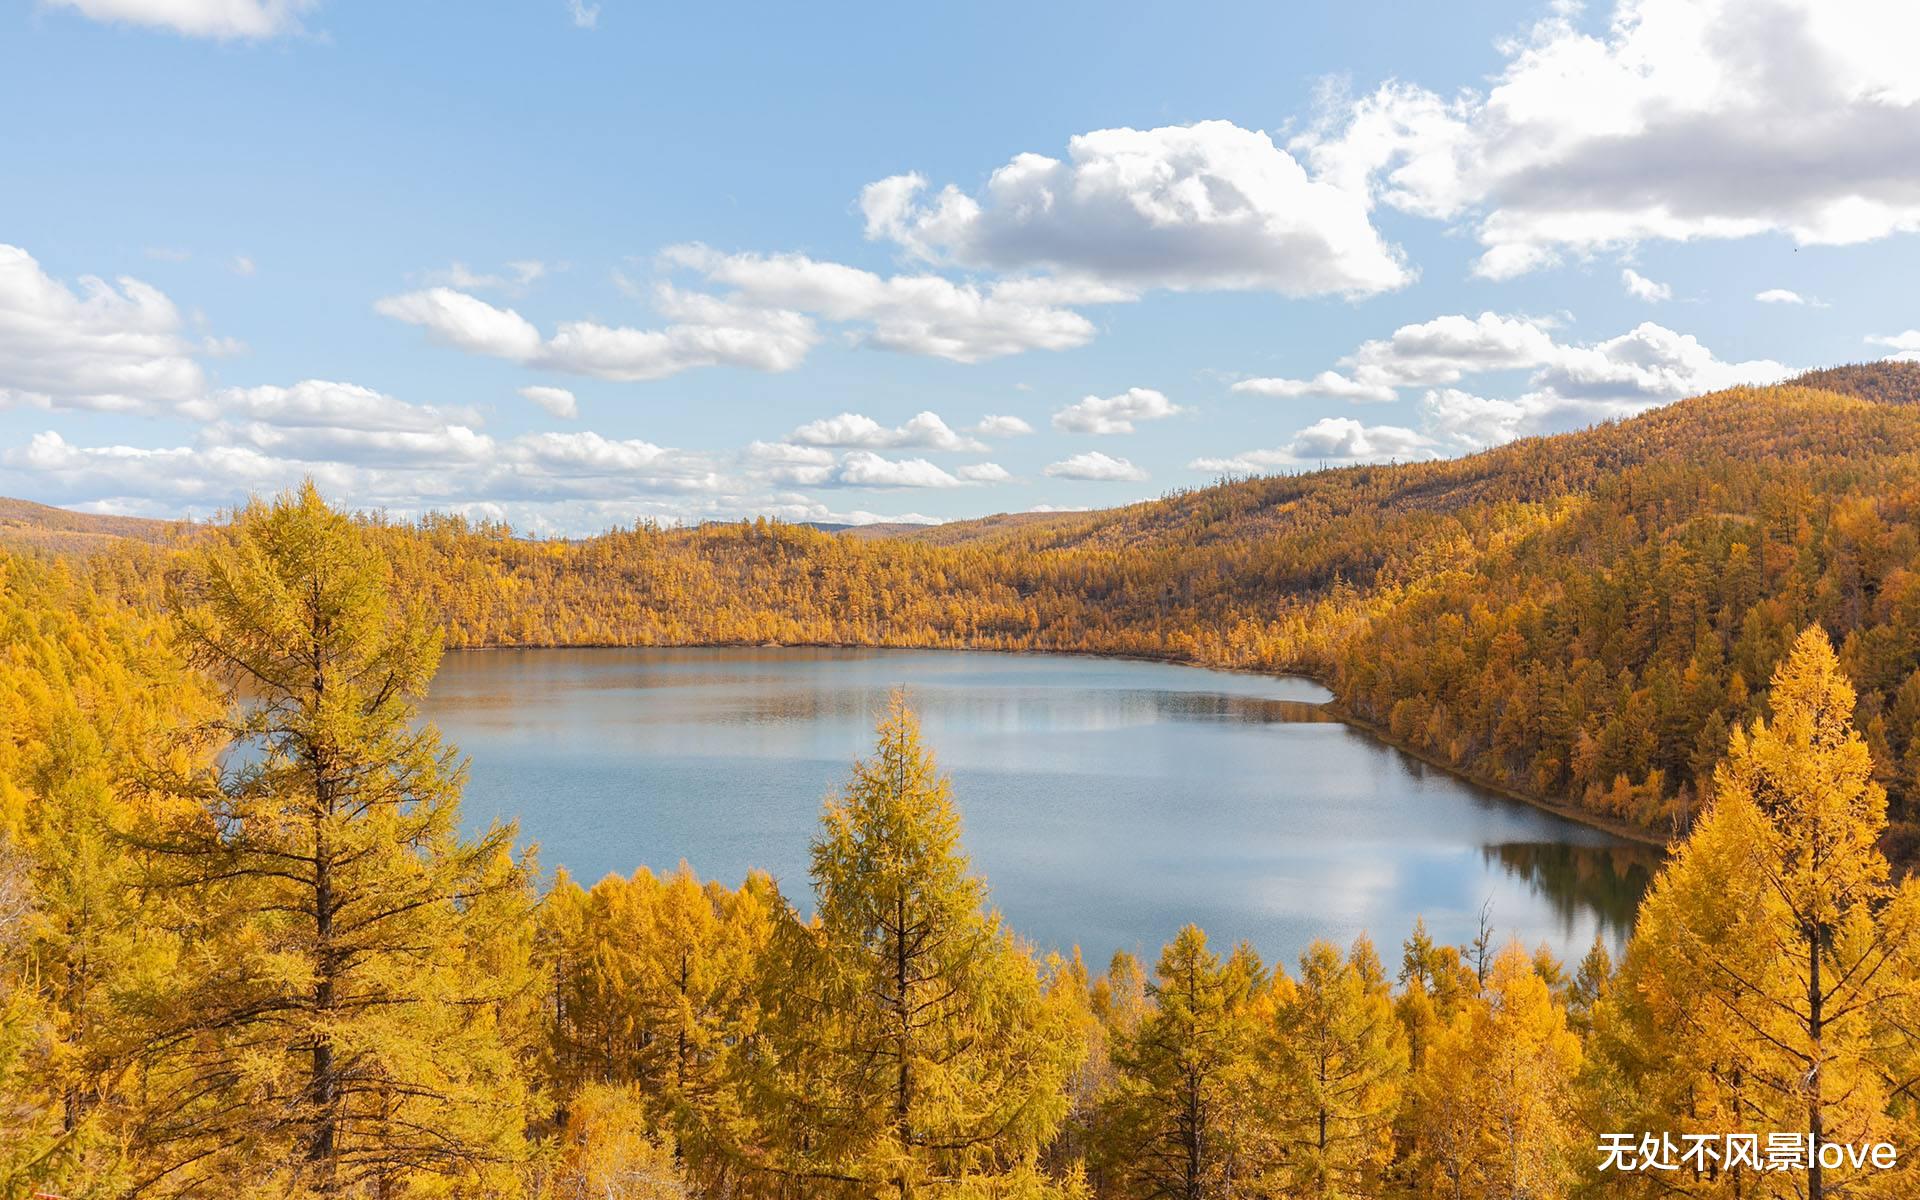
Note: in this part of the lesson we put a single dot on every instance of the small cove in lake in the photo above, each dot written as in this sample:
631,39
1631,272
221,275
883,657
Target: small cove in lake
1107,802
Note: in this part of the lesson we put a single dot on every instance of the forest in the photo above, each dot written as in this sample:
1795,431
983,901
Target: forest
248,946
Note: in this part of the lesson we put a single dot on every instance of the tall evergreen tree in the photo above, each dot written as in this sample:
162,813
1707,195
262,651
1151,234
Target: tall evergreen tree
361,957
1495,1115
1187,1124
912,1046
1337,1059
1774,962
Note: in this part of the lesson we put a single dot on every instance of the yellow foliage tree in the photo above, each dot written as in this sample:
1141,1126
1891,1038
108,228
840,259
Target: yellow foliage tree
1495,1116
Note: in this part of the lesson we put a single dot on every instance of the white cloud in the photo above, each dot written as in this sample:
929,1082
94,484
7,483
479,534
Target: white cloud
1568,384
1115,414
708,331
465,322
915,314
343,423
443,446
1330,384
1342,439
590,453
1443,349
242,265
1201,206
984,472
1471,422
1906,346
1684,119
223,19
319,402
1641,288
926,431
1779,296
558,401
115,348
786,463
1094,465
585,16
373,450
1647,365
819,466
863,468
1000,427
1346,438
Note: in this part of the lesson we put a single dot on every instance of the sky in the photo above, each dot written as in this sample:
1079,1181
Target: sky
575,265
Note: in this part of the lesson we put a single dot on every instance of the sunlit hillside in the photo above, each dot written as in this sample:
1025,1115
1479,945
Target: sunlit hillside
1580,618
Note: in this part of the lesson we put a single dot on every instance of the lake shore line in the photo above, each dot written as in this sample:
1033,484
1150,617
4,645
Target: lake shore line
1332,706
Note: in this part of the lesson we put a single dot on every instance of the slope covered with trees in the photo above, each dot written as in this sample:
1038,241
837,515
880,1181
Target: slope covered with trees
244,947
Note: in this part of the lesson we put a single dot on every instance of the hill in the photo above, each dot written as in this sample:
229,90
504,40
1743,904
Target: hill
1579,618
24,523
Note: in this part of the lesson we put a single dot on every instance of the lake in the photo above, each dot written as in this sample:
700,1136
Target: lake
1106,802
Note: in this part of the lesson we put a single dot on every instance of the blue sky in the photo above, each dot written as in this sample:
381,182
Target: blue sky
684,262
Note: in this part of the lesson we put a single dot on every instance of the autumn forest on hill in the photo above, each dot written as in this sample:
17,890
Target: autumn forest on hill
250,947
1579,619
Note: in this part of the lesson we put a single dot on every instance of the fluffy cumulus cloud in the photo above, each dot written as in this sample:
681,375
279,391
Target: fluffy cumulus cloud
1346,438
1115,414
223,19
816,465
765,319
1905,346
1577,384
703,331
1680,119
1201,206
1566,385
1338,440
1002,427
916,314
863,468
556,401
1779,296
924,431
375,450
111,346
1095,466
1445,348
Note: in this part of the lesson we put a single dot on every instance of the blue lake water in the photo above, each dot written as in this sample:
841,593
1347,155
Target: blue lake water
1106,802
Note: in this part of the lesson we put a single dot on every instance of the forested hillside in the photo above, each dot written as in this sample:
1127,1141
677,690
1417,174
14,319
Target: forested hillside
1581,618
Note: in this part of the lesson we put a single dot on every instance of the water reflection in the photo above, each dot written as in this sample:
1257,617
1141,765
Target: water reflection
1107,802
1605,882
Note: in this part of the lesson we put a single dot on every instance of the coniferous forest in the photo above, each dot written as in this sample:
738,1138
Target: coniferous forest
251,949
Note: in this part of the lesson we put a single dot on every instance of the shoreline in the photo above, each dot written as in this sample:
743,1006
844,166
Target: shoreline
1331,706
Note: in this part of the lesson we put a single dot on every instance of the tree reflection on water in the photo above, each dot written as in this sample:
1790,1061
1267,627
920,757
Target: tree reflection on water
1608,881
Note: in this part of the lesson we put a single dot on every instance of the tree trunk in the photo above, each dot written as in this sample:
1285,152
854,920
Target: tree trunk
1815,1118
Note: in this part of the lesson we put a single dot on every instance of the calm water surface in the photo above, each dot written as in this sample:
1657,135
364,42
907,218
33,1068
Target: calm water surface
1106,802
